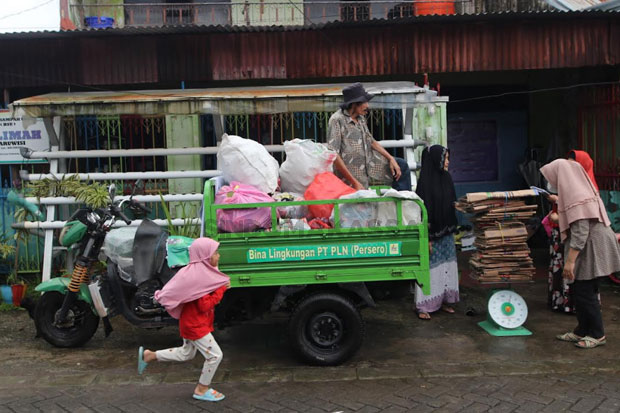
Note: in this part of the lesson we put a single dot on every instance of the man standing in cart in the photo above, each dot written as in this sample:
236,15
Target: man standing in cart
361,161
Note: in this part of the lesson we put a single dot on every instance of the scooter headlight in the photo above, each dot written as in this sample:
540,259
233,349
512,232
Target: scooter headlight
71,233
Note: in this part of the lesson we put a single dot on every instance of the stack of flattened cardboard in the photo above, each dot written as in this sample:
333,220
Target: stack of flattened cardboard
501,237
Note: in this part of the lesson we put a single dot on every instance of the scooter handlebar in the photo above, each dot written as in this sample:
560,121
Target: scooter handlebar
16,199
119,213
138,205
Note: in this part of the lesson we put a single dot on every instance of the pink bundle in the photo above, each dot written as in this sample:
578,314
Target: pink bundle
242,220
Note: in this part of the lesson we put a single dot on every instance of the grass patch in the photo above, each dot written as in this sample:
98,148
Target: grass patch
5,308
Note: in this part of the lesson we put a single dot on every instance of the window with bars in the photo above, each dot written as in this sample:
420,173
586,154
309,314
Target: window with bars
277,128
118,132
176,14
400,11
354,11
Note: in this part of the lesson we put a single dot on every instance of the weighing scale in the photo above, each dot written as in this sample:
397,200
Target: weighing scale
506,313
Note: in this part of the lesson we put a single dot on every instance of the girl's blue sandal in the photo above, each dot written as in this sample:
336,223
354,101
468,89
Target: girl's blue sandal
210,395
141,363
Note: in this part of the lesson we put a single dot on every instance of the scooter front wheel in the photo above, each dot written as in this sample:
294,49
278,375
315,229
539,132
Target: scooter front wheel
79,325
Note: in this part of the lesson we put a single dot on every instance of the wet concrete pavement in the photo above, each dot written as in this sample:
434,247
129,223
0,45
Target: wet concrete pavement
397,345
538,393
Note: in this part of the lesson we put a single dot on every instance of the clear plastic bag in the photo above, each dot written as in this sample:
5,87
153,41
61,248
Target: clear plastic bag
118,247
119,243
287,224
290,211
379,214
386,211
358,215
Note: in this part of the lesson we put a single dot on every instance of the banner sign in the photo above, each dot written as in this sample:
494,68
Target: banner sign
325,252
15,133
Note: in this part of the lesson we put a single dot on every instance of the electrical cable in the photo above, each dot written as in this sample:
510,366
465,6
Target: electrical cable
26,10
548,89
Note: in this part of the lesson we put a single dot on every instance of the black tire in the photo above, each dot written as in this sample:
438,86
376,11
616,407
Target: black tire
84,325
326,329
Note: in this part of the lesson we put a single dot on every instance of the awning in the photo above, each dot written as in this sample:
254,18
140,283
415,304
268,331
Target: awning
220,101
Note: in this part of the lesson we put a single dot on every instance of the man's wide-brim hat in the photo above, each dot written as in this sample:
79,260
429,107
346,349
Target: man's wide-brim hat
355,94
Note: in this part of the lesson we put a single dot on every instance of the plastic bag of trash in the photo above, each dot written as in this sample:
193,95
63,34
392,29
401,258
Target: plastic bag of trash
325,186
247,161
242,219
305,159
386,211
359,214
293,224
290,211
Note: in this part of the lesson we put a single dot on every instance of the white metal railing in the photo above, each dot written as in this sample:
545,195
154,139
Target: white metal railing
61,200
111,176
51,225
212,150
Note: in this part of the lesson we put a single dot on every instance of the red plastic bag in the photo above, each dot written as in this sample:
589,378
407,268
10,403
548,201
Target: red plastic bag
242,220
325,186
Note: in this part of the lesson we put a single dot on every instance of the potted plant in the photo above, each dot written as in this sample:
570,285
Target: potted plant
18,288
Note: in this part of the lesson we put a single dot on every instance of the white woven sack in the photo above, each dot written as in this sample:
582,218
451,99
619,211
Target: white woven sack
248,162
304,160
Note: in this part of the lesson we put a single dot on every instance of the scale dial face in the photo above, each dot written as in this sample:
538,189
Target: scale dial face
507,309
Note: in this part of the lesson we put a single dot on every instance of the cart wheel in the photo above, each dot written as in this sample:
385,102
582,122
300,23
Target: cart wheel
326,329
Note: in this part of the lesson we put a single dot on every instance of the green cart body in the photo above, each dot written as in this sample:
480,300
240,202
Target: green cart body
338,255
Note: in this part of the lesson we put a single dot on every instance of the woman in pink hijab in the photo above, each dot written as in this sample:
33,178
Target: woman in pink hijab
560,296
591,248
191,296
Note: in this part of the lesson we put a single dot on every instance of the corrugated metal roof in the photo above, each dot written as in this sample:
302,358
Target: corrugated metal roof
270,99
397,49
193,29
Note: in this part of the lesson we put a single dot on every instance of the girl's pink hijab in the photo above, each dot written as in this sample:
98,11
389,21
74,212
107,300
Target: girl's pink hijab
195,280
577,196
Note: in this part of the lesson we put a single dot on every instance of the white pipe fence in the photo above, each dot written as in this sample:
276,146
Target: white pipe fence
52,225
212,150
60,200
114,176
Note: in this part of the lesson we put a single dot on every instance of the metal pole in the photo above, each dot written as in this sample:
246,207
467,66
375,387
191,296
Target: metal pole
139,198
111,176
167,151
48,246
51,225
